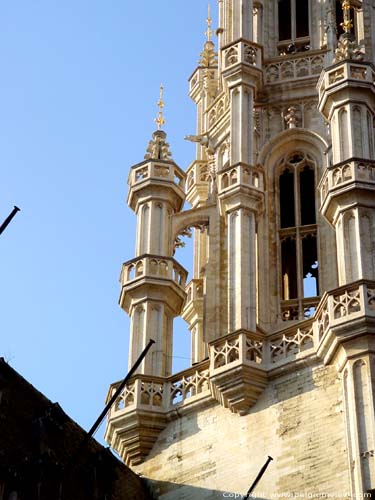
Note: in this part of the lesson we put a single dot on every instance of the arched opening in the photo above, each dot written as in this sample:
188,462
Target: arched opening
298,247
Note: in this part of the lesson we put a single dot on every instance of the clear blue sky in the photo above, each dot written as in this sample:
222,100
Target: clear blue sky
78,87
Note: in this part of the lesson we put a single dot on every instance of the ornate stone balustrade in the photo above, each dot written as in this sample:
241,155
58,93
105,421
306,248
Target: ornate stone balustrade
241,174
339,175
242,52
194,290
157,171
347,70
237,348
343,304
162,395
301,66
291,344
153,266
196,173
236,372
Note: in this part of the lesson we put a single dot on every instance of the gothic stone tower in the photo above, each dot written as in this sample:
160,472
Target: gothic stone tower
281,303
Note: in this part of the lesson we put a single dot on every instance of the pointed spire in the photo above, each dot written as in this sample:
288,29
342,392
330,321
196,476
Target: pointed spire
208,32
160,120
158,147
208,56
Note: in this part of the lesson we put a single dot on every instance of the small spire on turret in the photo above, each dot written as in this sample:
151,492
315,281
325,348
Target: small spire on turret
160,120
208,56
158,147
208,32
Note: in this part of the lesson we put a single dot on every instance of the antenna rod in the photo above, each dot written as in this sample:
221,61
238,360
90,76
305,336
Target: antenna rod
119,390
258,478
7,221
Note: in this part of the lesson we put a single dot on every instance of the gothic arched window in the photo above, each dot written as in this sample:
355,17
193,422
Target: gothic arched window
293,17
299,284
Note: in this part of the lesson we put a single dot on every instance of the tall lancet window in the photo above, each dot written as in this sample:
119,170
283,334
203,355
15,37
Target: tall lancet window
298,263
294,26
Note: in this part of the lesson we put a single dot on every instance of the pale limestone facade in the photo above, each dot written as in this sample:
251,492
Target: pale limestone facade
281,303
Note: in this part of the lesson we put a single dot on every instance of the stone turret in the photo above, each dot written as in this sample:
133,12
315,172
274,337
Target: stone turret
347,188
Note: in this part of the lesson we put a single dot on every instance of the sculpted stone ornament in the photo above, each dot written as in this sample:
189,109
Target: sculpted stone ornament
158,148
348,49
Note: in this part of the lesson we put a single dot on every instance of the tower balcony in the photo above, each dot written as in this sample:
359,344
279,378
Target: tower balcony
197,183
193,307
155,277
142,411
339,180
343,314
242,62
156,178
241,183
348,78
237,370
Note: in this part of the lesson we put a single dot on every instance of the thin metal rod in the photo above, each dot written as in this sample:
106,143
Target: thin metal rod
7,221
258,478
120,388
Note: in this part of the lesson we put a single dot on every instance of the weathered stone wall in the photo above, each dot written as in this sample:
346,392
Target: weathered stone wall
298,421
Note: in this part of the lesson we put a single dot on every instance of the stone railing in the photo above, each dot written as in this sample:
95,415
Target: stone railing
194,290
242,52
354,169
301,66
238,348
347,70
156,170
293,343
345,304
196,173
153,266
241,174
161,395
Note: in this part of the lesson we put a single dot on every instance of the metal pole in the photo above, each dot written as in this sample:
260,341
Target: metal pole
257,479
7,221
120,388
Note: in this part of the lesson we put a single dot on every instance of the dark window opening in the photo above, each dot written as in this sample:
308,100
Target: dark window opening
289,268
285,20
310,267
372,494
302,18
307,196
287,211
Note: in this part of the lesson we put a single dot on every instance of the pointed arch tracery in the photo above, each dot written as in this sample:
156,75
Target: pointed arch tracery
297,235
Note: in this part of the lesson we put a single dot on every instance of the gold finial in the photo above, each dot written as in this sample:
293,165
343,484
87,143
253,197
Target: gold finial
208,32
347,24
160,120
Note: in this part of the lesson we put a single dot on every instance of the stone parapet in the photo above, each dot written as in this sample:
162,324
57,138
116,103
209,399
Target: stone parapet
154,276
339,179
151,177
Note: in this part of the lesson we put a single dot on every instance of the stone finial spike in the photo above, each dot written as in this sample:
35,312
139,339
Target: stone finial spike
208,32
160,120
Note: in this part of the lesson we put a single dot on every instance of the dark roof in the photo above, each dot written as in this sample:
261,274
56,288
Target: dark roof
45,455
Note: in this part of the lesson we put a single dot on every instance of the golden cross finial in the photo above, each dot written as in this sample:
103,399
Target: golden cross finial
347,24
208,32
160,120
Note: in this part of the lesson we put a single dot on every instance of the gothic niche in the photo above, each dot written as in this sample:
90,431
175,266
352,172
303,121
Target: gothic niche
298,237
